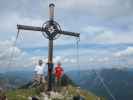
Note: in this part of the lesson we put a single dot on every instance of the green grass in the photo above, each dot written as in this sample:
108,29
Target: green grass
21,94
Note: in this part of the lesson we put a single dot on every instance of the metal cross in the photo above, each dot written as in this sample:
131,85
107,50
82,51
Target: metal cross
50,30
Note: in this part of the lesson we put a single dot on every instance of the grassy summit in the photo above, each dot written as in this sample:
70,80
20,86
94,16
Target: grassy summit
23,94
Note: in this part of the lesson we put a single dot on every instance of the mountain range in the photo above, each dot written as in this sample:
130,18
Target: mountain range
113,83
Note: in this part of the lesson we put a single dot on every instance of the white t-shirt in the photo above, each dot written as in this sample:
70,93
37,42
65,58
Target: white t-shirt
39,69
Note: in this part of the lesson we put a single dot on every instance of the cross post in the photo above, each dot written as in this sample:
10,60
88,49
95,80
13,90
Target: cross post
50,29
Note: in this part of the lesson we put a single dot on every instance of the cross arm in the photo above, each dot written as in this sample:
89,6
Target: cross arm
70,33
31,28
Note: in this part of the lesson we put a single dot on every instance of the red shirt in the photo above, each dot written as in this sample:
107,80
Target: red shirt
58,72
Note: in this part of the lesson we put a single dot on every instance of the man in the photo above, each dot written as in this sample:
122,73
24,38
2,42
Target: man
58,74
59,71
39,72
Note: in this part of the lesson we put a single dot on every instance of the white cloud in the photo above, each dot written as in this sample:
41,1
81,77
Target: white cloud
11,56
127,52
9,26
91,59
102,8
6,49
103,34
56,59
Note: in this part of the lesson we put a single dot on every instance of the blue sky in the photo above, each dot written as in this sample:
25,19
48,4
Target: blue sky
106,28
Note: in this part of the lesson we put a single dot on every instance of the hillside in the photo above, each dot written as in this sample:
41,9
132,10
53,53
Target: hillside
119,81
12,80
